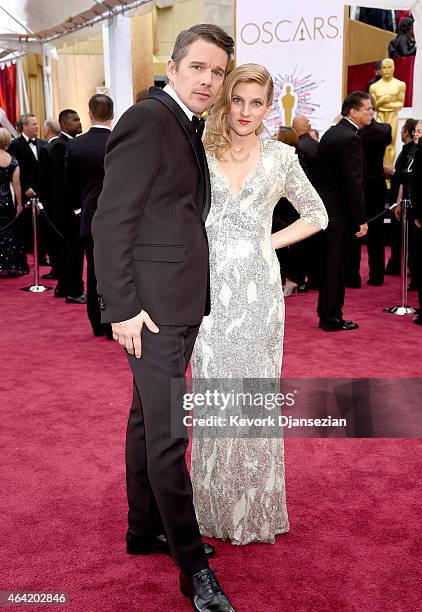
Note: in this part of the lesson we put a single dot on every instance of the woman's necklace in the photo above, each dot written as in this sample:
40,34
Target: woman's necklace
241,160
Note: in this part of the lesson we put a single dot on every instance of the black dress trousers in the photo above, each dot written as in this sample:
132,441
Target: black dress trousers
159,488
335,259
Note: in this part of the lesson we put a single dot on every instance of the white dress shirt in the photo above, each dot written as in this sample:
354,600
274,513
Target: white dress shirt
170,91
32,146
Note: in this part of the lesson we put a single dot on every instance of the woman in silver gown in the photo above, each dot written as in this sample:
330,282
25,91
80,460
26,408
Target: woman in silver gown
238,483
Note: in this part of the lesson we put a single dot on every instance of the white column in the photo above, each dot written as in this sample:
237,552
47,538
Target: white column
48,52
118,62
22,92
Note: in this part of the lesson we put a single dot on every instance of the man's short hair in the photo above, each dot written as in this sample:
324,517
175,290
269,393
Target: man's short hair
24,120
203,31
101,107
354,100
52,125
409,125
65,115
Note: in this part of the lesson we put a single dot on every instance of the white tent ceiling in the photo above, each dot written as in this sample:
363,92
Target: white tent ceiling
26,24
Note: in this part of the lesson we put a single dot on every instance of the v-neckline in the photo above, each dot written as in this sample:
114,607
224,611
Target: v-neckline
249,177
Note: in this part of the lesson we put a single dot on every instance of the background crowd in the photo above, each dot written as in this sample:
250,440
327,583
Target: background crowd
64,170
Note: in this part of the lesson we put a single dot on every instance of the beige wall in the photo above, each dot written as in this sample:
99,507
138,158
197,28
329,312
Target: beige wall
170,21
79,69
76,74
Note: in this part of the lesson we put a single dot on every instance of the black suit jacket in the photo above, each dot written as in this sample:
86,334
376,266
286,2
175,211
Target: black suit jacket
401,166
45,178
340,177
28,163
62,212
150,245
375,138
84,174
307,152
416,178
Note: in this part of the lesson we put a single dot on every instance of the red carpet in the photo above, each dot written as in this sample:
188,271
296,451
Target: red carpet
353,504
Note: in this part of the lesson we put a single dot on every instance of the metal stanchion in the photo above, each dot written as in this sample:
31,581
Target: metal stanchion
36,287
403,309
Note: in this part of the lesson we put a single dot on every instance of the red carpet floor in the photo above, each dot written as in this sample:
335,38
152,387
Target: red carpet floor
353,505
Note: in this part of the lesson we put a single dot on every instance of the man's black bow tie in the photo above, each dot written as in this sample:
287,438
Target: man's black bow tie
198,125
32,141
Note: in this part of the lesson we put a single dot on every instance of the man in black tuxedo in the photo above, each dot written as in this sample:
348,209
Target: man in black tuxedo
56,250
151,261
70,283
399,176
26,148
416,197
375,138
84,176
307,152
340,161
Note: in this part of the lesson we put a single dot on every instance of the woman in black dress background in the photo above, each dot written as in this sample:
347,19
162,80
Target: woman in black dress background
12,255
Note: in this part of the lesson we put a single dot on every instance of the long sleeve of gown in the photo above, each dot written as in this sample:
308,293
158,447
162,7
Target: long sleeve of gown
300,192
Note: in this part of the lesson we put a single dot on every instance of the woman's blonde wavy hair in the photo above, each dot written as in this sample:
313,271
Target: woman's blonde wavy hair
216,138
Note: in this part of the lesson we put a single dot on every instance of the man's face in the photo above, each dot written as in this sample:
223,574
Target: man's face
363,115
418,133
387,68
73,125
199,76
30,129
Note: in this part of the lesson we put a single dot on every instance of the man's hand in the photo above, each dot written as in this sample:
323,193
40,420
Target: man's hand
418,223
128,333
30,193
363,230
397,211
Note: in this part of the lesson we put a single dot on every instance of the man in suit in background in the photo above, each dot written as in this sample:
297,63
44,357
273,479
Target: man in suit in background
26,148
55,243
307,148
70,283
307,152
375,138
84,176
340,175
416,196
151,261
398,177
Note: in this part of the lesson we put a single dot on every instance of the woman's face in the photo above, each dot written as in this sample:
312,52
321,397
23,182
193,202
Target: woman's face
248,108
418,132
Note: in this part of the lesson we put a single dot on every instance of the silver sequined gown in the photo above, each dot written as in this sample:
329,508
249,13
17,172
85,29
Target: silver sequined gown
238,483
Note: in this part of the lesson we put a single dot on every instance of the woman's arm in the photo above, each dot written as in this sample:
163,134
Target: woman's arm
297,231
17,189
300,192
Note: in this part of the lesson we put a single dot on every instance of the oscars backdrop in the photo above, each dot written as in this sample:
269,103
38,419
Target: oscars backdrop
301,44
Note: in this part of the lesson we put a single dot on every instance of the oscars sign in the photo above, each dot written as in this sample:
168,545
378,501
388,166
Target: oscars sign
301,44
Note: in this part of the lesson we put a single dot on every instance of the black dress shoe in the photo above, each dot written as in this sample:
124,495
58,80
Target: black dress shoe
417,319
331,326
50,276
81,299
141,545
374,282
204,592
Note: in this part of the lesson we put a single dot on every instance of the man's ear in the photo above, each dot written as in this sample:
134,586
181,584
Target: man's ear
171,69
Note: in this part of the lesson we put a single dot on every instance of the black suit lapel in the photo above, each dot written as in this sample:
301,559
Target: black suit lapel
198,149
